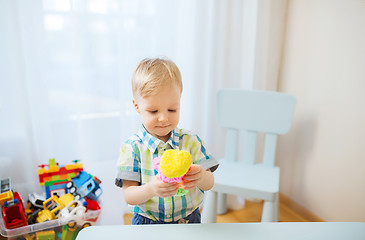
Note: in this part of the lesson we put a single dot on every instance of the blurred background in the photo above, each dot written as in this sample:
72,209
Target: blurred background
65,70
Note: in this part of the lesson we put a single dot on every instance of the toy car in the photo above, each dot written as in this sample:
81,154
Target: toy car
36,200
74,214
84,185
14,213
74,211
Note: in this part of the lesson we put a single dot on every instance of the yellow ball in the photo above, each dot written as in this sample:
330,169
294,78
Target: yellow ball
175,163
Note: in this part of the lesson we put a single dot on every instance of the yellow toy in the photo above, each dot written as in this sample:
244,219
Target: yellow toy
172,166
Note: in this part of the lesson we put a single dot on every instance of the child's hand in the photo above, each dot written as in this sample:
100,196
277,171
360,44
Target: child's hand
163,189
193,176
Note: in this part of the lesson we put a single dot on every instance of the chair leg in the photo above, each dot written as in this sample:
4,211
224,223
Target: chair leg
222,203
276,209
209,213
270,211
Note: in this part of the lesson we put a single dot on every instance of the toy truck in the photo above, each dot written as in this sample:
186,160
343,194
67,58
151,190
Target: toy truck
85,185
52,207
77,217
14,213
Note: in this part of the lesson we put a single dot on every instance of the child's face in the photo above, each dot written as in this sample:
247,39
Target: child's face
160,112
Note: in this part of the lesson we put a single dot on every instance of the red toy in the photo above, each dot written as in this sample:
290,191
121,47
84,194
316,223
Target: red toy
92,209
14,213
91,205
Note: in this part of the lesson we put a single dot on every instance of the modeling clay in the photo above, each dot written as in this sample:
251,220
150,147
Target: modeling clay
172,166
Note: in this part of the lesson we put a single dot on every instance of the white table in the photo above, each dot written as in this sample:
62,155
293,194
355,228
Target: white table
227,231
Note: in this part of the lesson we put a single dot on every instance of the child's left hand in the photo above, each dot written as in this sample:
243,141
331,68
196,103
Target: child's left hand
193,177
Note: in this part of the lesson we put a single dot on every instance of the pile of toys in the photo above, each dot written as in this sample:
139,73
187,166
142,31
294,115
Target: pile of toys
70,196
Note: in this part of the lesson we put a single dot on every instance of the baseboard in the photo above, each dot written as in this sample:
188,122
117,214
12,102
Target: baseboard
299,208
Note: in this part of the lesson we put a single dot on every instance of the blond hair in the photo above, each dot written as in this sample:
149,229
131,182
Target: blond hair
153,73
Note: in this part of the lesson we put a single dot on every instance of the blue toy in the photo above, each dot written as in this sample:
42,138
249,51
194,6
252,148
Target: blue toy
85,185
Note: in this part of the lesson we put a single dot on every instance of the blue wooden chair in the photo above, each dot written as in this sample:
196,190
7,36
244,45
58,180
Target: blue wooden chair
254,112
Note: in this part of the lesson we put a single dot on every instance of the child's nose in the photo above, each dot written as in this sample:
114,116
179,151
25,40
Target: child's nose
162,117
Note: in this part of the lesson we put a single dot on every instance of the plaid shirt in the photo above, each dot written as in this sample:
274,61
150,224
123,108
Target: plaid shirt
136,164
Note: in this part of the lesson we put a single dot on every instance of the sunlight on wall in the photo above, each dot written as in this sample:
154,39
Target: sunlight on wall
53,22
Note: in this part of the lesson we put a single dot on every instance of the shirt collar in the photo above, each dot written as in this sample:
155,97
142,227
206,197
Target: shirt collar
152,142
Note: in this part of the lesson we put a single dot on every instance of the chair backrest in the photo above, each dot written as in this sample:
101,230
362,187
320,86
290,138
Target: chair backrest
254,111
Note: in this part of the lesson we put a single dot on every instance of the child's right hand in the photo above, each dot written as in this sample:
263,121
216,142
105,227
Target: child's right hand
163,189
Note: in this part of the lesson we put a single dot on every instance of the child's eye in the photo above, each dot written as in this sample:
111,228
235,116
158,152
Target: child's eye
172,110
155,111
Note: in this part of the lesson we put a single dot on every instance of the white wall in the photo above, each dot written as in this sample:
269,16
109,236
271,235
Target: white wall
322,159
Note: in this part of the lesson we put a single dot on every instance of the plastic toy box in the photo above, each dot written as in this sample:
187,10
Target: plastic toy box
69,204
54,229
30,231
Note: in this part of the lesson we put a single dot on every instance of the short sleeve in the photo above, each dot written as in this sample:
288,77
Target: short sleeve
201,155
129,164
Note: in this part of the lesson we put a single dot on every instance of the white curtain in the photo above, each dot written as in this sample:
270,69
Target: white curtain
65,69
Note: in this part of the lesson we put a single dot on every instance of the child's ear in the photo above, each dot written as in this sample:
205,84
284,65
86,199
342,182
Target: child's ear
135,105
